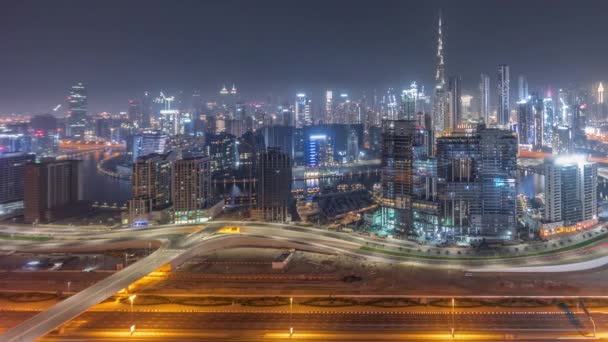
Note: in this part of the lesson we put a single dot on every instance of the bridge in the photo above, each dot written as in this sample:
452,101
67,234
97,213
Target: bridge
82,145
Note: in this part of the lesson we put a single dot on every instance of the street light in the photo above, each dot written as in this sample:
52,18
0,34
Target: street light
290,315
131,299
453,325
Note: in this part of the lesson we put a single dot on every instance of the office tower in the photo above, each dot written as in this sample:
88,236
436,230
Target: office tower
53,190
389,108
525,122
320,151
498,165
274,185
562,140
191,189
281,137
530,122
409,101
329,106
504,110
347,111
570,189
455,102
549,121
539,121
440,95
146,110
467,108
476,184
152,181
458,186
12,169
398,142
352,149
303,114
600,116
134,112
522,88
148,142
484,99
223,151
77,119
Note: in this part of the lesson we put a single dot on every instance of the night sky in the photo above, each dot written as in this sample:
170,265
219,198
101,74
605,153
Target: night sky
121,48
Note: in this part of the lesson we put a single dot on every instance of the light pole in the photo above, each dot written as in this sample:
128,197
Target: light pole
290,316
131,299
453,318
69,284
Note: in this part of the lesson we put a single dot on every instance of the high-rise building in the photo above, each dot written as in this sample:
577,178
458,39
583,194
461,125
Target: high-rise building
440,94
12,169
570,189
484,99
147,142
504,110
303,111
522,88
549,121
458,186
152,182
274,185
455,102
191,189
77,119
329,106
563,141
601,113
398,142
477,184
53,190
530,121
498,165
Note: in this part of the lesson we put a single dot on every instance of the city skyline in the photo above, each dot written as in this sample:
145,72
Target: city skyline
350,46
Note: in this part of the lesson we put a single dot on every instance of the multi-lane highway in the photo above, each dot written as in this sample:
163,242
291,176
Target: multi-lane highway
236,325
181,243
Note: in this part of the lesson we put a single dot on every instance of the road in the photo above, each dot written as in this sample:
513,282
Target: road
260,234
234,326
73,306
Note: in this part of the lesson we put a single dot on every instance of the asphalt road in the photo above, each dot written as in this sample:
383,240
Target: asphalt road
190,324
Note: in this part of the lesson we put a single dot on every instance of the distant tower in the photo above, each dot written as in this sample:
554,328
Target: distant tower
329,105
484,98
522,90
224,90
439,104
455,102
77,111
503,95
600,102
233,90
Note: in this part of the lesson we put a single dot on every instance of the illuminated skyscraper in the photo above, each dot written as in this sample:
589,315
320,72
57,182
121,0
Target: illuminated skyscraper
484,99
440,94
303,115
504,110
329,106
191,189
454,111
522,88
600,102
549,122
409,102
570,189
77,119
274,185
